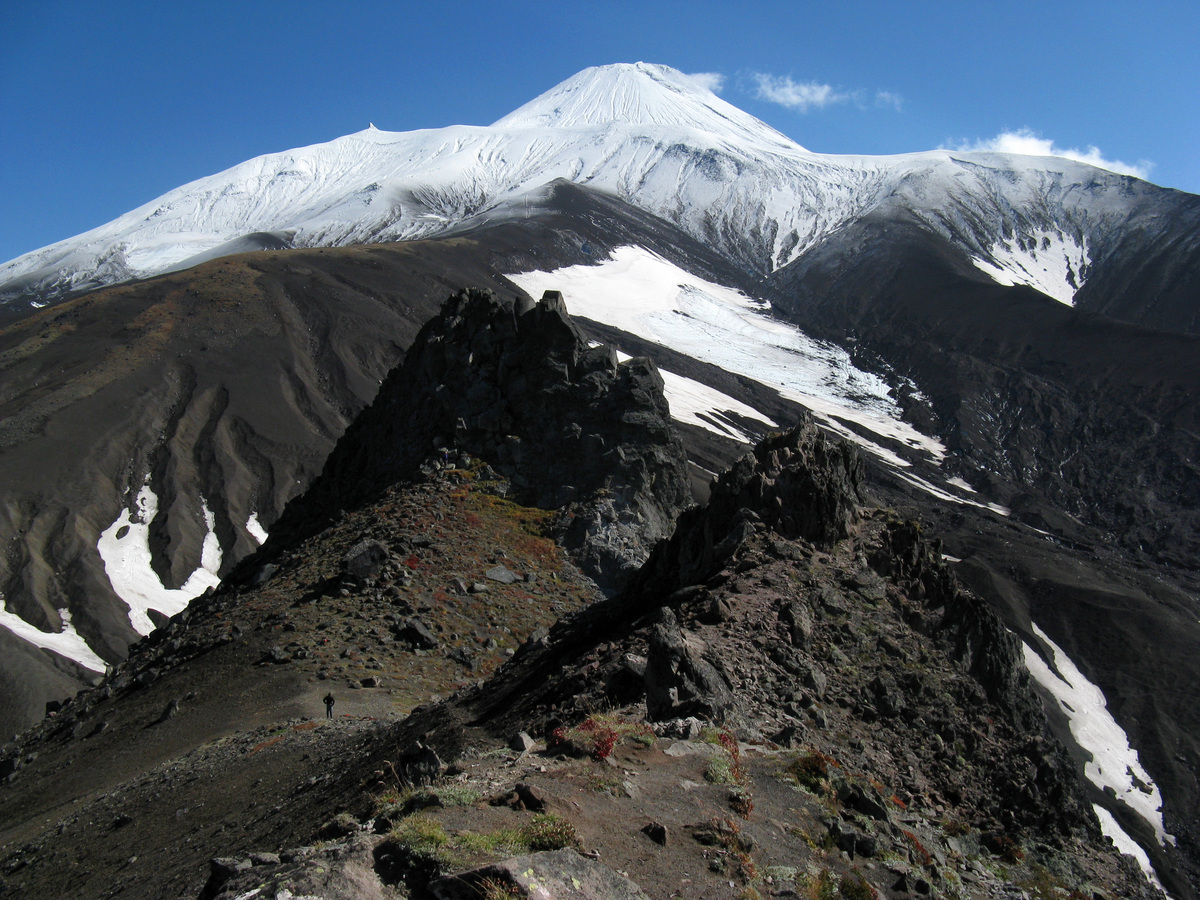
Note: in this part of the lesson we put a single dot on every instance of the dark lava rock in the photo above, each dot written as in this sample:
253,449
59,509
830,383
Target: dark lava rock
417,633
657,832
419,765
565,423
680,682
366,560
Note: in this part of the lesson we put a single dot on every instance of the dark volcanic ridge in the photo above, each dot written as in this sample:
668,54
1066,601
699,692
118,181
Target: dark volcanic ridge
793,696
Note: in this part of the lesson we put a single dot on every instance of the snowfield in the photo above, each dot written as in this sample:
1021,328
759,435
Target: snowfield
647,296
1114,765
68,642
125,549
1049,261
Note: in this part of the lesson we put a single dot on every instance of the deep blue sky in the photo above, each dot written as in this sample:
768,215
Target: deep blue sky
104,106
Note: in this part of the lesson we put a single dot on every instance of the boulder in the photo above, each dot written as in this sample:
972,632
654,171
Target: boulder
365,560
501,574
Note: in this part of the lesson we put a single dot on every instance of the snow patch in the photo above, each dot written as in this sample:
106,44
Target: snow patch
640,292
68,642
1114,763
125,549
255,529
1127,845
961,484
694,403
1048,261
921,484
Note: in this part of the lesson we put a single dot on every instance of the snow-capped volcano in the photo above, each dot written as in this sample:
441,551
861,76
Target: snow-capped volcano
641,95
647,134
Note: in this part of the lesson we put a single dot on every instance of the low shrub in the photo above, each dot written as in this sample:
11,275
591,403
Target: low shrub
853,886
548,831
811,771
598,735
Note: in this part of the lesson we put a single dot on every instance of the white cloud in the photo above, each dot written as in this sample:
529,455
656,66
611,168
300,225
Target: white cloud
889,98
1030,143
710,81
798,95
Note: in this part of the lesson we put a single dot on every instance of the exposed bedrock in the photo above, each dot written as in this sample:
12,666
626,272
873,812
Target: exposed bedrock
516,385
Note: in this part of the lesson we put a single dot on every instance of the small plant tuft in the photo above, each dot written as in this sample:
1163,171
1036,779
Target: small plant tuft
548,831
741,802
820,886
811,771
598,735
853,886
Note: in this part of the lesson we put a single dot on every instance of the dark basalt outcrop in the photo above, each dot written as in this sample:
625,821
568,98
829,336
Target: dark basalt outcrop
516,385
793,615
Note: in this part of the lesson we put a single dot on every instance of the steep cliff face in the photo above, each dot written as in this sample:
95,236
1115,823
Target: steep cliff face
516,384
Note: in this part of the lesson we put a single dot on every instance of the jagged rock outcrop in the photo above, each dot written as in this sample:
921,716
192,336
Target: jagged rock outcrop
796,484
784,608
515,384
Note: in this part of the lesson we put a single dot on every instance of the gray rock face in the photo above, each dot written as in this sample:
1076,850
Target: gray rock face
796,483
680,682
561,874
341,871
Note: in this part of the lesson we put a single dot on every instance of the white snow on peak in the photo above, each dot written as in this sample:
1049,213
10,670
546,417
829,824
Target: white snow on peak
643,294
125,549
639,94
647,134
1045,259
1114,763
68,642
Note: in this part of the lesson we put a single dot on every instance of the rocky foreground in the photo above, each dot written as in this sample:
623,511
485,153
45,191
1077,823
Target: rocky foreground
791,697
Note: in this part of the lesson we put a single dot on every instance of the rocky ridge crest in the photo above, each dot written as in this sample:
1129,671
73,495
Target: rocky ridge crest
792,694
566,425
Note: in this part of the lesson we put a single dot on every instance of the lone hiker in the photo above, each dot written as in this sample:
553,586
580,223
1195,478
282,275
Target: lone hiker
329,705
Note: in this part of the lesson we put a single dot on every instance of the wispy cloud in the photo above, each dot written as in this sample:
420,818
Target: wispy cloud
798,95
710,81
803,96
889,98
1031,143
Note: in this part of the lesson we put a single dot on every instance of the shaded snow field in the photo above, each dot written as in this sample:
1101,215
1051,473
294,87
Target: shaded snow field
68,642
1048,261
1114,764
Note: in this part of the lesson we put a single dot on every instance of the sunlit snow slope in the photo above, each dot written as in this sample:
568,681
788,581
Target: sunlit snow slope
645,133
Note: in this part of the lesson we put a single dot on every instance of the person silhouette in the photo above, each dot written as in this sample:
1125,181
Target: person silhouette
329,705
